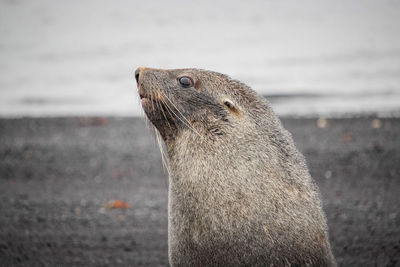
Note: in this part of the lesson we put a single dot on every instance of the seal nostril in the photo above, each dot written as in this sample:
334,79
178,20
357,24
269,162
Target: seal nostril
137,75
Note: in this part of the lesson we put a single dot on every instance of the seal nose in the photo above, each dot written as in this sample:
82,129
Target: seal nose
137,73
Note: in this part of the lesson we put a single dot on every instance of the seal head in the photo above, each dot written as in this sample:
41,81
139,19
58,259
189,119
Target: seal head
186,99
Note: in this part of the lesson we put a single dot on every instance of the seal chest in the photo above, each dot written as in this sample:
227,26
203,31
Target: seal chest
239,191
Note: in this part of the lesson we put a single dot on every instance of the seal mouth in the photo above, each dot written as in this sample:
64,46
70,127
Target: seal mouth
142,93
146,96
150,100
146,100
142,96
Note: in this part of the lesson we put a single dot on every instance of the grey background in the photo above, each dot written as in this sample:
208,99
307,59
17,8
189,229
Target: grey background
77,57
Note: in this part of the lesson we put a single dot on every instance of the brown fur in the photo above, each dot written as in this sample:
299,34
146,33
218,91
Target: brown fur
239,191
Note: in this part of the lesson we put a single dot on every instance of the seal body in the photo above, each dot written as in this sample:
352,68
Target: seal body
240,193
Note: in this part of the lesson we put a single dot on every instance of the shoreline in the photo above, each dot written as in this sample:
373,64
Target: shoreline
393,114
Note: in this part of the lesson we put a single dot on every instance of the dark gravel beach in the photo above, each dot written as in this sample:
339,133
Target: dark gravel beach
59,176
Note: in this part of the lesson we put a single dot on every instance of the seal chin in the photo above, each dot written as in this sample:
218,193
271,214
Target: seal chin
147,105
160,117
151,109
145,102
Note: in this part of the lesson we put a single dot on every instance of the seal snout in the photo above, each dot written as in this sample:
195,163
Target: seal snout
138,73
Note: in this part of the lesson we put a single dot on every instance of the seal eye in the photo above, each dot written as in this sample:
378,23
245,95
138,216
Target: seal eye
186,81
229,104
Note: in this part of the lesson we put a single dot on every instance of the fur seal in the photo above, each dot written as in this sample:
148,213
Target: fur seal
240,193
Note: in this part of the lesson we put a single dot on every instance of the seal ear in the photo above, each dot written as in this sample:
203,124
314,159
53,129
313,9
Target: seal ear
230,105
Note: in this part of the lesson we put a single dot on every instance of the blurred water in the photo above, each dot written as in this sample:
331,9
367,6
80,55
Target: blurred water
310,57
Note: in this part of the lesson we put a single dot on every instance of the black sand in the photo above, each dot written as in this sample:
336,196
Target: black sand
56,175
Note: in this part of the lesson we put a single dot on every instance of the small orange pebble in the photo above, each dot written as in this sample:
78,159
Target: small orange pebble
376,123
322,123
117,204
347,137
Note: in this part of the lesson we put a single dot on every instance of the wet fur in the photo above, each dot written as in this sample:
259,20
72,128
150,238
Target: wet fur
239,191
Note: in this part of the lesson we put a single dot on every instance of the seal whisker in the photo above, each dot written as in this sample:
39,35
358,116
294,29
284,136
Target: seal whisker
160,106
139,103
164,158
172,103
186,122
157,136
152,102
168,109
